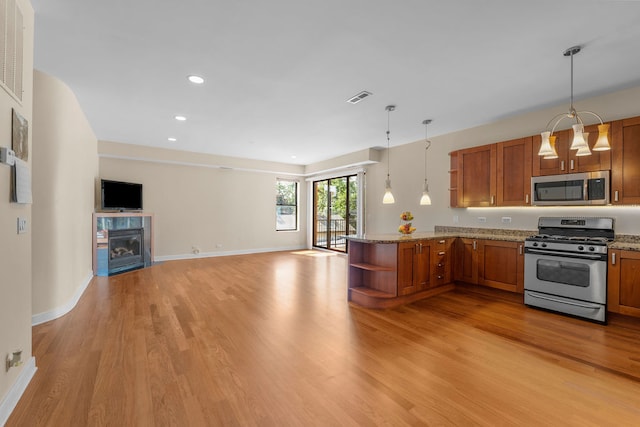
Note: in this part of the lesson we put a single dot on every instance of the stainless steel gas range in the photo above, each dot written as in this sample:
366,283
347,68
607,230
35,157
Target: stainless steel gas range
565,266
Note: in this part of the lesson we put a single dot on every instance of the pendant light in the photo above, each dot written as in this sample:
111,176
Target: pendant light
426,199
388,196
579,142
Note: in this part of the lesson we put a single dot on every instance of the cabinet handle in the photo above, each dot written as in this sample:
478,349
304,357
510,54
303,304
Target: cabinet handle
571,164
475,245
440,277
526,199
615,196
440,264
441,253
561,165
441,242
493,200
520,249
613,258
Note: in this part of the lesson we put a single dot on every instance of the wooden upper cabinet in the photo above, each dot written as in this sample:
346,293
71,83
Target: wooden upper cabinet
513,173
625,161
476,176
567,161
453,179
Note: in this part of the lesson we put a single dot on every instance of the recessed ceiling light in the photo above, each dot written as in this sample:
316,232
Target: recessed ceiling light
172,139
196,79
181,118
359,97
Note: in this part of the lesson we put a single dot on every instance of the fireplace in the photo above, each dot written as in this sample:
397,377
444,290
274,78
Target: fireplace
126,249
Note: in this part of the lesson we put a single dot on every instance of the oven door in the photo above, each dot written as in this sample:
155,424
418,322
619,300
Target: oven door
576,276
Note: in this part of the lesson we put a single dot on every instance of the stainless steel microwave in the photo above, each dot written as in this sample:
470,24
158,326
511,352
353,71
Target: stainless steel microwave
589,188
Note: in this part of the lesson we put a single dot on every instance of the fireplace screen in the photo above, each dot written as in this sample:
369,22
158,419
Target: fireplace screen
126,249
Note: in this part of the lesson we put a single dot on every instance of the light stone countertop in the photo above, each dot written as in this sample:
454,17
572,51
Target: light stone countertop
445,232
622,242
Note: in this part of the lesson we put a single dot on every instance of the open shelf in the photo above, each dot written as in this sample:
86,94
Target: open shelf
372,292
371,267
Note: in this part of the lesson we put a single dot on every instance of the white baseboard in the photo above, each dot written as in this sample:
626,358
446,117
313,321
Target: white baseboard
37,319
8,404
226,253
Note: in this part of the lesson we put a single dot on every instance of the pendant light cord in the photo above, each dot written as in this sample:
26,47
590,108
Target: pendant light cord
427,146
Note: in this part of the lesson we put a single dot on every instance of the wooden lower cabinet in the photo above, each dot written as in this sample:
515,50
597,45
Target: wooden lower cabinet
414,265
442,260
493,263
624,282
501,265
385,275
466,265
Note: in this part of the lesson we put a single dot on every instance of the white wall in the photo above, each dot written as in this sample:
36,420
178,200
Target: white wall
407,174
65,167
15,250
197,204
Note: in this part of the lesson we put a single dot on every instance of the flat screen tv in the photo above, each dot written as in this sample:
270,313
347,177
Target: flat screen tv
121,196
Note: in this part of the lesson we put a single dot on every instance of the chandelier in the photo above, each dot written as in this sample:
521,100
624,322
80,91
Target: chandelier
580,138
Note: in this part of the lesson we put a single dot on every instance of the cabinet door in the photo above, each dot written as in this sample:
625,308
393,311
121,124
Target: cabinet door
513,170
501,265
624,282
466,265
476,176
625,172
542,166
413,267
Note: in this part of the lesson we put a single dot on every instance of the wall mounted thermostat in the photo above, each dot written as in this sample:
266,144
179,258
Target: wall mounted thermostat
7,156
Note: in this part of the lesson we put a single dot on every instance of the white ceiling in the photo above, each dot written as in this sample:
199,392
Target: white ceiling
278,72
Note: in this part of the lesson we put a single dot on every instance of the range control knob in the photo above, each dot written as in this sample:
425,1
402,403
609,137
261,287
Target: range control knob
535,244
544,245
591,248
581,248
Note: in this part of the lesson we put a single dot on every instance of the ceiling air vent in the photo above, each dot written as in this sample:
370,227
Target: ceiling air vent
358,97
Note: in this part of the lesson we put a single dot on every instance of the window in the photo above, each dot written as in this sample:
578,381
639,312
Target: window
286,205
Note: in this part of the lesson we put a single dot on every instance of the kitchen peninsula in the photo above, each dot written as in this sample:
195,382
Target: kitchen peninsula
388,270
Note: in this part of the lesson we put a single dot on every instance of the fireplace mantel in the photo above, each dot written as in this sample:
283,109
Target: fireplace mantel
103,222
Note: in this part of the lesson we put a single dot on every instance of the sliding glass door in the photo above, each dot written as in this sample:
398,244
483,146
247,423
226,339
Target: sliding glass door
335,213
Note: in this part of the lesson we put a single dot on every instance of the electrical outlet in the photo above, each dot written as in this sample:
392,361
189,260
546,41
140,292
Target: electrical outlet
14,360
456,219
22,225
482,219
195,250
506,220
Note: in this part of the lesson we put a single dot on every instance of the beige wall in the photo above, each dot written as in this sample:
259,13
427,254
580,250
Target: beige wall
15,250
65,168
201,207
407,174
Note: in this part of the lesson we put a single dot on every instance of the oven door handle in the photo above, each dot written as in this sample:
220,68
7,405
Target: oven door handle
557,254
583,305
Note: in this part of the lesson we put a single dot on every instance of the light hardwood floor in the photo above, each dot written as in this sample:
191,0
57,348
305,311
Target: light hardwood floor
270,340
